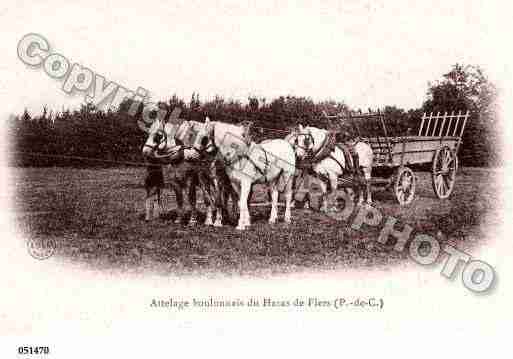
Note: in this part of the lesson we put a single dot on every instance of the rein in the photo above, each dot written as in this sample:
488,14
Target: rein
167,154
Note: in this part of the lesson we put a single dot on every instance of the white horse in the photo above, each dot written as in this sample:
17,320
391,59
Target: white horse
169,145
271,162
309,142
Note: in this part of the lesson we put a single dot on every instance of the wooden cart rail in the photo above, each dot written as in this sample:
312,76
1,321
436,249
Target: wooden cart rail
439,127
409,150
444,125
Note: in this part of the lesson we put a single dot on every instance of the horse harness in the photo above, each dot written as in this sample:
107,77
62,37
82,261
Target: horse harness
326,150
262,172
239,156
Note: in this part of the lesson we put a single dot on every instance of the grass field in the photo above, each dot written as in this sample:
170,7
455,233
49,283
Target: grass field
96,218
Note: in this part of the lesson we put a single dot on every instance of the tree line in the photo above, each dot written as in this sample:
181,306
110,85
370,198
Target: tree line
89,136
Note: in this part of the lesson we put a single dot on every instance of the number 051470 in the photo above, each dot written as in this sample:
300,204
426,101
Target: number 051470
33,350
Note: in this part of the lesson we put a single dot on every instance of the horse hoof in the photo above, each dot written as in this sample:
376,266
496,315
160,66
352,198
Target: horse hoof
306,206
218,224
192,223
240,228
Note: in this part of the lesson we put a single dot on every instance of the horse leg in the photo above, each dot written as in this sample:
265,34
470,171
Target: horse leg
244,219
360,195
293,185
178,190
303,179
324,196
148,203
151,204
365,156
308,181
333,183
307,201
193,182
361,187
208,199
219,216
234,191
220,195
289,193
365,187
208,219
157,209
367,176
350,192
274,203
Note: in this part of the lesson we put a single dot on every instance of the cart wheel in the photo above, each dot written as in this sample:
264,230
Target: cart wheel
443,174
404,185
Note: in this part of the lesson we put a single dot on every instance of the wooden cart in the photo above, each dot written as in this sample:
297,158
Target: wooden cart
437,143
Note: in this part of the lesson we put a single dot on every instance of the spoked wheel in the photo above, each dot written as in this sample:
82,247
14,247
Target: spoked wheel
404,185
443,174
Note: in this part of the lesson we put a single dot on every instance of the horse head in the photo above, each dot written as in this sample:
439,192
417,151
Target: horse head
204,141
230,140
156,140
303,141
162,143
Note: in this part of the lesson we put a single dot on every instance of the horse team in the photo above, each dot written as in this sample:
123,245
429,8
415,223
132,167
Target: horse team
222,160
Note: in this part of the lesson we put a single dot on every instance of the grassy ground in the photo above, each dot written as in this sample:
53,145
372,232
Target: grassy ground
96,217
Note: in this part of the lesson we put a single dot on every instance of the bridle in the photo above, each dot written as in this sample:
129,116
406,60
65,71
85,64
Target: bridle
207,149
160,137
308,149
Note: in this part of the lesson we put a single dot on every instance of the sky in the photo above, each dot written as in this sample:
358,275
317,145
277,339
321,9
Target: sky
365,53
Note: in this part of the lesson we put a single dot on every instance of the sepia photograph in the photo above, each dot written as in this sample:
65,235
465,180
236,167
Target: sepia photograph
190,178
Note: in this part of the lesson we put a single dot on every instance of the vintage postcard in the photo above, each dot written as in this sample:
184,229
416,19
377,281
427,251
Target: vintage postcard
255,179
